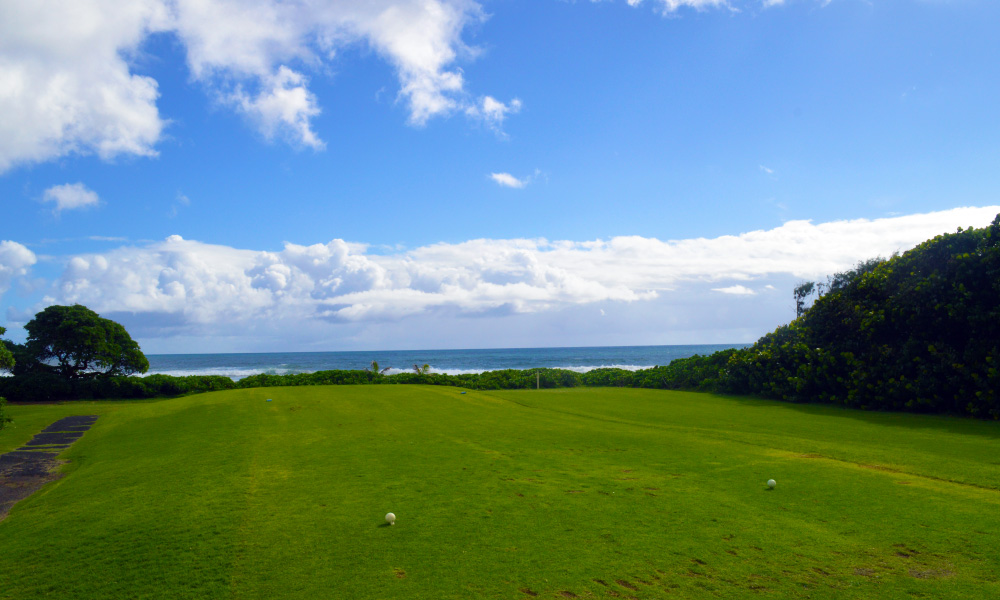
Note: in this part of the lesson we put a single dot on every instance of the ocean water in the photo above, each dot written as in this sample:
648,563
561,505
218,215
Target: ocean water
453,362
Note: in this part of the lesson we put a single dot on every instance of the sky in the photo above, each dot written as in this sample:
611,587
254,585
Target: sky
299,175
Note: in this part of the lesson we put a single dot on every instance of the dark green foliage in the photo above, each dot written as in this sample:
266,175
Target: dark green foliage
23,361
918,332
4,419
6,358
82,343
6,364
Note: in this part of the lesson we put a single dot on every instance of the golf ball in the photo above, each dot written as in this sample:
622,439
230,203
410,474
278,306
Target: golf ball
390,518
771,483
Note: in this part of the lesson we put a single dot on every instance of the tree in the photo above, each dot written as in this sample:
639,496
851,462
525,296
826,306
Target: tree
6,358
82,343
6,364
375,371
801,292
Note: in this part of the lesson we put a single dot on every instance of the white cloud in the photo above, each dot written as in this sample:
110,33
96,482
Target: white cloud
70,196
240,44
200,289
66,84
508,180
15,261
493,113
284,107
670,6
735,290
770,3
767,170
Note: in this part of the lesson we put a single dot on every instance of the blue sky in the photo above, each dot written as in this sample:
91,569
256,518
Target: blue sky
256,176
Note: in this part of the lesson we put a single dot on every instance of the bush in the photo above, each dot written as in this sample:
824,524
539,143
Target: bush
4,418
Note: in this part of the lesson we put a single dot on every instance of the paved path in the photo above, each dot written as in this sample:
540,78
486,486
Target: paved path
25,470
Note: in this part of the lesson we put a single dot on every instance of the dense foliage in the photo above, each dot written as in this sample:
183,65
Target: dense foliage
916,332
82,344
6,364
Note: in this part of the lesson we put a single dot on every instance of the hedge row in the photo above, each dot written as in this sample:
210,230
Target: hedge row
694,373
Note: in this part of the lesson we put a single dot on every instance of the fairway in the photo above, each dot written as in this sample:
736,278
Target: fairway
588,493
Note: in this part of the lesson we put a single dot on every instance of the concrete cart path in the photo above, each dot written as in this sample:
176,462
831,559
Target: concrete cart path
25,470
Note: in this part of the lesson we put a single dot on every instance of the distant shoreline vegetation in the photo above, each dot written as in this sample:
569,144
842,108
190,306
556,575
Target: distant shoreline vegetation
50,388
917,332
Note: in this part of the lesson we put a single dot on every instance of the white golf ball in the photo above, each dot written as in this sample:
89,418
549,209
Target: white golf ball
390,518
771,483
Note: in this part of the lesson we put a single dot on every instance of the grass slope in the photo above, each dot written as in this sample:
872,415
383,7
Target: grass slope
563,493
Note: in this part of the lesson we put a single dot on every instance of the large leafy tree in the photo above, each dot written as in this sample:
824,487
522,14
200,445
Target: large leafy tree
82,343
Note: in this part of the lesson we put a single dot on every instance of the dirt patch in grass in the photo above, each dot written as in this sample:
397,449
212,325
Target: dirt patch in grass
879,468
528,592
399,573
25,470
931,573
566,594
626,584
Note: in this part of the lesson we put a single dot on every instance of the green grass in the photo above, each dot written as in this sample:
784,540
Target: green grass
592,492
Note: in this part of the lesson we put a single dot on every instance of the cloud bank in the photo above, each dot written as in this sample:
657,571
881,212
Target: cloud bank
68,86
185,287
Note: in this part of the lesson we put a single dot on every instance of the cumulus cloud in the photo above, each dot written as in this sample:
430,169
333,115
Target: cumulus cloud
15,262
68,86
65,85
196,287
283,107
70,196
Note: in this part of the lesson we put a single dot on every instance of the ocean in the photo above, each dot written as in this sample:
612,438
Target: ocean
453,362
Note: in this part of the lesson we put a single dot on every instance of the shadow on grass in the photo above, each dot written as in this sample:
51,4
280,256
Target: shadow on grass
960,424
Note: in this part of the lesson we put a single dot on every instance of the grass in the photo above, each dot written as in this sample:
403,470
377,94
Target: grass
563,493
